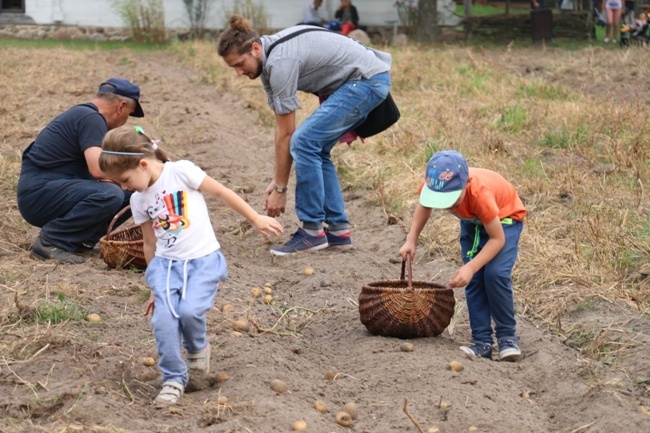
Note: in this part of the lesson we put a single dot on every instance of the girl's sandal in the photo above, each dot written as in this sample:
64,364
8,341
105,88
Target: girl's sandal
169,394
200,360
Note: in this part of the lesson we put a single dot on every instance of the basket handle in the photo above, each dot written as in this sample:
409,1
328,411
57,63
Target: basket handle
410,274
115,218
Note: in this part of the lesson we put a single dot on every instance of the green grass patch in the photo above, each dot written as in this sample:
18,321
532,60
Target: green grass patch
565,138
81,45
61,310
478,10
513,118
537,89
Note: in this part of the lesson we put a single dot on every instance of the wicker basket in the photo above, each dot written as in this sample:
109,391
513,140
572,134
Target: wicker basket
405,308
123,248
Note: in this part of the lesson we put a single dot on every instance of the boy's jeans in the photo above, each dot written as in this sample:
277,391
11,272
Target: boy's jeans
318,193
489,293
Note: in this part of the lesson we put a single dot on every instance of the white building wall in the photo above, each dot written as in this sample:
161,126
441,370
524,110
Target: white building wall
281,13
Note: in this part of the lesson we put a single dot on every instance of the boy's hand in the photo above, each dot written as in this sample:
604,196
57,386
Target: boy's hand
461,277
407,249
267,226
150,305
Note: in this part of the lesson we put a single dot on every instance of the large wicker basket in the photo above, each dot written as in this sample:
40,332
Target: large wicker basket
123,248
406,308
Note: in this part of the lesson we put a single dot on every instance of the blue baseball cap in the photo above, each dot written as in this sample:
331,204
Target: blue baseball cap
123,87
445,178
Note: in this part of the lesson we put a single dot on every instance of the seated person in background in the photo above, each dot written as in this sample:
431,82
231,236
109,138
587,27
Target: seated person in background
641,21
347,15
636,29
310,14
640,28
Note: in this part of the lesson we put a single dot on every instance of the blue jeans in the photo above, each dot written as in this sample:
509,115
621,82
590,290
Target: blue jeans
318,193
489,293
70,212
183,294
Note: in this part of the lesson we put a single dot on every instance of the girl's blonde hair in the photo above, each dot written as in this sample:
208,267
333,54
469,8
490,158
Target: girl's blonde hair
124,147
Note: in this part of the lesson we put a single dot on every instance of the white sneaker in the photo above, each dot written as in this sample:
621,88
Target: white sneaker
200,360
169,394
606,40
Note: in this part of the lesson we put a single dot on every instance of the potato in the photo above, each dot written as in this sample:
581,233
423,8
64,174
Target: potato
344,419
241,325
268,299
644,410
309,270
256,292
279,386
299,425
320,406
472,428
148,361
456,366
221,377
92,317
406,347
352,409
222,399
331,374
227,308
236,334
268,290
433,430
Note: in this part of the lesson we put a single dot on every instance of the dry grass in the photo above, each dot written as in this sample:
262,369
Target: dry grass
579,162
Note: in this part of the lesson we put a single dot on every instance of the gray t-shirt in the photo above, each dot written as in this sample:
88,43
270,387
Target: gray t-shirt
315,62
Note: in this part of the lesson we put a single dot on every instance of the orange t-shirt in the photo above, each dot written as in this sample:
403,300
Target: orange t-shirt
488,195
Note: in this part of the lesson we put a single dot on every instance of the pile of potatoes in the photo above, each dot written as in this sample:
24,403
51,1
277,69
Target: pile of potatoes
264,293
344,417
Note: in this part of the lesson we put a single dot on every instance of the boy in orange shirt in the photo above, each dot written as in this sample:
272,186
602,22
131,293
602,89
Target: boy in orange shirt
491,220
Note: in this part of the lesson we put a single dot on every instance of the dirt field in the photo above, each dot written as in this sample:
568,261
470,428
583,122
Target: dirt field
82,376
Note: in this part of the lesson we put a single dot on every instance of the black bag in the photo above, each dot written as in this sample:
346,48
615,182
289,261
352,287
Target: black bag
379,119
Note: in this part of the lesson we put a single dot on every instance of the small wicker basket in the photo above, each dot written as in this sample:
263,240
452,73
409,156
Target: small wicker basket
123,248
406,308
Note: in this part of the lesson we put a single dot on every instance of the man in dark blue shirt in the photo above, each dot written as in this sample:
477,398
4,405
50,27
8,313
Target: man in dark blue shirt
61,188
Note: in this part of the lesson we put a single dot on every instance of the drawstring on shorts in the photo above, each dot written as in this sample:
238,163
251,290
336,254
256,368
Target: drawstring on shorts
477,237
169,272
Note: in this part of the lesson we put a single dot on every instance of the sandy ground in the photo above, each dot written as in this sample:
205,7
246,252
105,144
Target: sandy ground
82,376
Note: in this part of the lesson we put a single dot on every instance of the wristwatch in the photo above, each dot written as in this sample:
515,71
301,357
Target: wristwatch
281,189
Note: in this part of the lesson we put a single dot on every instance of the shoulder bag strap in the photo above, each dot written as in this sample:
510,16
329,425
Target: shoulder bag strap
293,35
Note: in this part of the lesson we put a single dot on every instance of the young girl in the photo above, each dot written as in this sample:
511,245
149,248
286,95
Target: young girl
185,264
491,220
613,11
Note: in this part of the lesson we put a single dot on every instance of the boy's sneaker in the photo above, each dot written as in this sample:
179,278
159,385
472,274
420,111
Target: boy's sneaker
301,241
344,241
478,350
509,351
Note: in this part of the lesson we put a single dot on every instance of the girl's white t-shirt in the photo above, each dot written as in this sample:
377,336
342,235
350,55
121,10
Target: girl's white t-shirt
178,212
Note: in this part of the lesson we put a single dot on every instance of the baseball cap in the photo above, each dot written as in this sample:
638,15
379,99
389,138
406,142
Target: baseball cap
445,178
123,87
